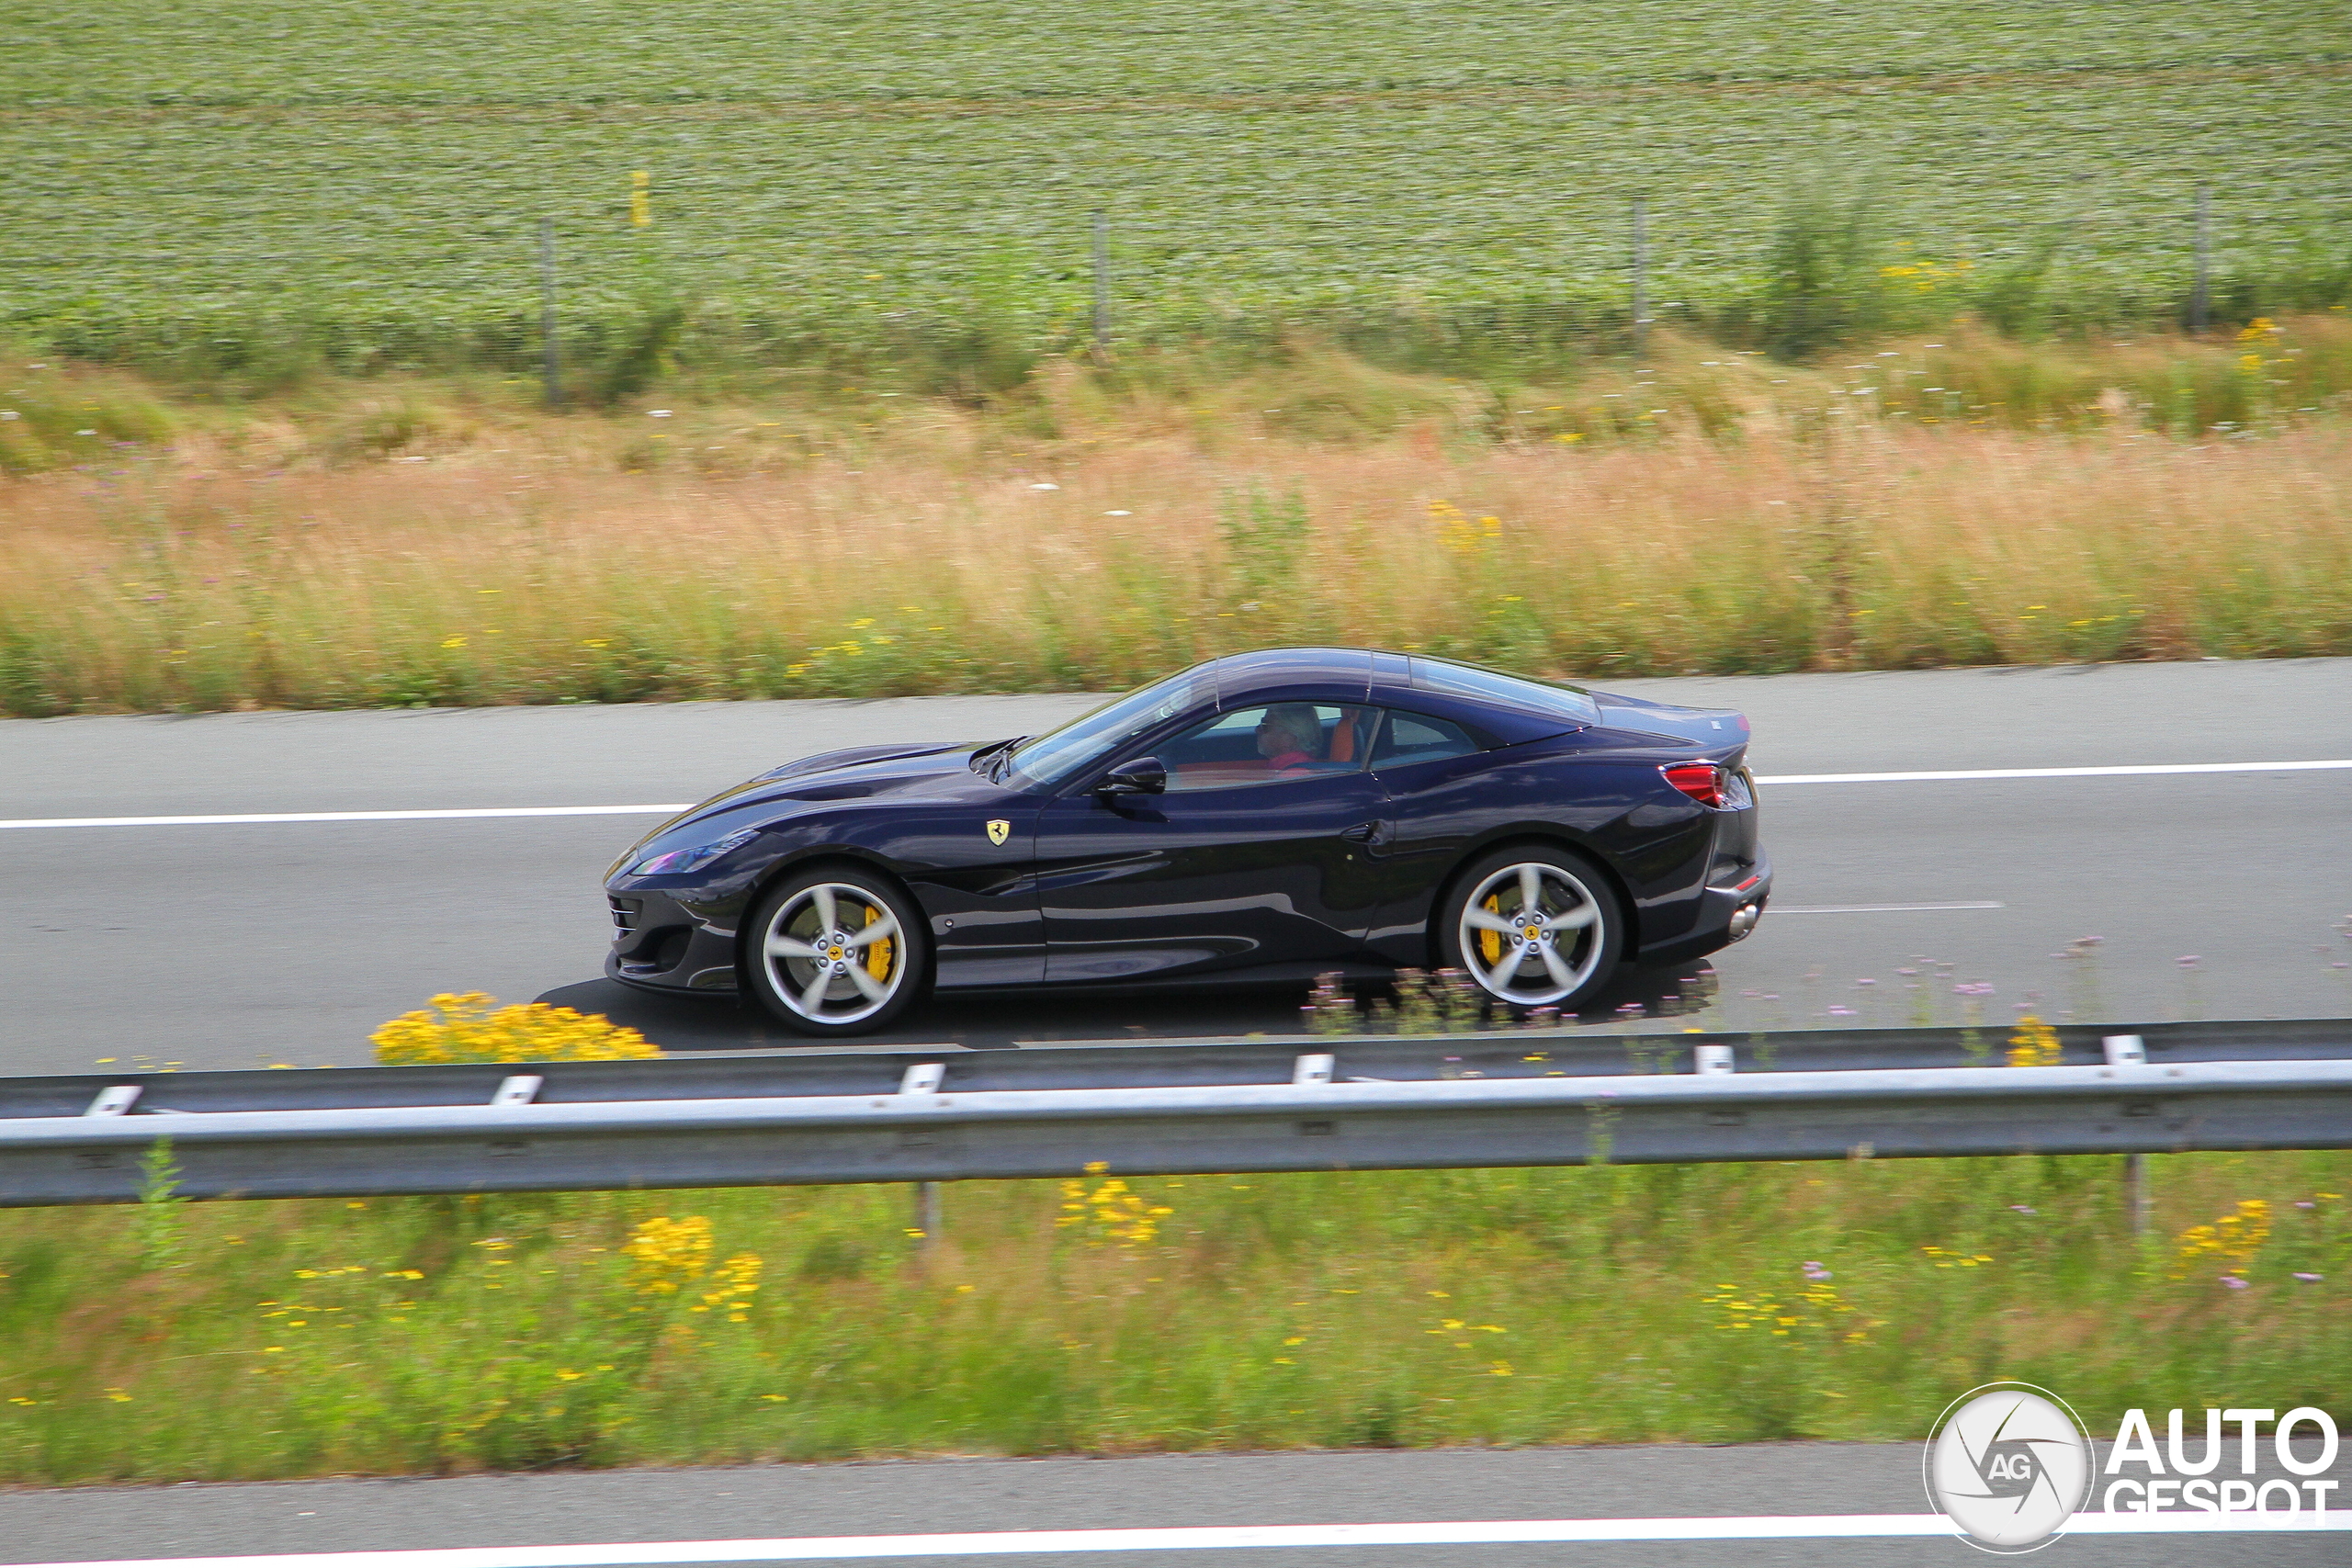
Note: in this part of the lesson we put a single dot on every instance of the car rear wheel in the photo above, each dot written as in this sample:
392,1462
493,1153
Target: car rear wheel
1534,926
836,951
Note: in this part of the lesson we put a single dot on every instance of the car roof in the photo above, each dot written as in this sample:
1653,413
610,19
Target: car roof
1361,674
1344,671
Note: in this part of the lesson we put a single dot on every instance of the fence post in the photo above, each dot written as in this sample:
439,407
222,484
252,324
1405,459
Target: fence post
1641,277
2200,297
1101,286
547,314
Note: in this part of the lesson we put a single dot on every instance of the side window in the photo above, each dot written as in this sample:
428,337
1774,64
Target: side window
1270,744
1416,737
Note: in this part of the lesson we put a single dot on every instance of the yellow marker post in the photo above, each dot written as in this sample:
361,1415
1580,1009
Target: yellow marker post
640,199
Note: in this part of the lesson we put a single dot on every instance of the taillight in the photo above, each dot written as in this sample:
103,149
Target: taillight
1702,781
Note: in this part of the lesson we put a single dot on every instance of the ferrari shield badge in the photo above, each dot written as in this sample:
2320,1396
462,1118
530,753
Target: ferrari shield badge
998,831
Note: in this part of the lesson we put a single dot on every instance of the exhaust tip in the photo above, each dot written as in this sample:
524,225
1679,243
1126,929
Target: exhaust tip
1743,919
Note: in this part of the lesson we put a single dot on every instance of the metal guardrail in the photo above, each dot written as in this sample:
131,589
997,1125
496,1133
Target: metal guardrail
920,1133
1129,1064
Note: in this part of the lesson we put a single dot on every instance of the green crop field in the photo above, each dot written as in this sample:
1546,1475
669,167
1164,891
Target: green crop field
178,169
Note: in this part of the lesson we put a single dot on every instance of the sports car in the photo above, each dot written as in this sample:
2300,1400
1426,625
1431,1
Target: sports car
1268,816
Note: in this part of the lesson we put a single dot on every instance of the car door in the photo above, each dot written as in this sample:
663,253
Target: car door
1429,769
1255,854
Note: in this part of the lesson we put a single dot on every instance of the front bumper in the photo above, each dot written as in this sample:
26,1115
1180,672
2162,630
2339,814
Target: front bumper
659,946
1727,912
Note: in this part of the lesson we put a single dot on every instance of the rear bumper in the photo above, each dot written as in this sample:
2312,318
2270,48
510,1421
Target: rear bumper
1727,912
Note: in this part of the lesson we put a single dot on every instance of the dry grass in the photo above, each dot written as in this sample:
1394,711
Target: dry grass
1097,535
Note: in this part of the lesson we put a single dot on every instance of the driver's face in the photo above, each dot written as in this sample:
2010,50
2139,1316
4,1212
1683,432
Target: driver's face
1274,739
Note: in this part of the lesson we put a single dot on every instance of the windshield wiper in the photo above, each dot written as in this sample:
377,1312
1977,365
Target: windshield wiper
993,754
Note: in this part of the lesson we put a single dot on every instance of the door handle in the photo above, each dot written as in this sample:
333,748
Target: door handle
1361,833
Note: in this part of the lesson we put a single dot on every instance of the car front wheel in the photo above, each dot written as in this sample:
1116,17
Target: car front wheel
1534,926
836,951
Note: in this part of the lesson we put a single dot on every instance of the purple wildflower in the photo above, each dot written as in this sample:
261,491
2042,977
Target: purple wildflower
2311,1278
2024,1207
2233,1282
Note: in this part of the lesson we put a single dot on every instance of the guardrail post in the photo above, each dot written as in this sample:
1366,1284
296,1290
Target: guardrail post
2132,1051
927,1220
924,1078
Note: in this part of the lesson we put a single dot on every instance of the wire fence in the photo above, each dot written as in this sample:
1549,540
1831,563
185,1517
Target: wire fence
529,295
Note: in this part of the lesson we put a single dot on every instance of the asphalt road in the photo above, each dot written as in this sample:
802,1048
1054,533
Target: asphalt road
221,946
235,945
955,1495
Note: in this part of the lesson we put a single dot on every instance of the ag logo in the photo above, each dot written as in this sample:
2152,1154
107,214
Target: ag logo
2009,1465
1000,830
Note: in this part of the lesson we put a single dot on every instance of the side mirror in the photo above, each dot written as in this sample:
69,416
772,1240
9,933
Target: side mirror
1145,775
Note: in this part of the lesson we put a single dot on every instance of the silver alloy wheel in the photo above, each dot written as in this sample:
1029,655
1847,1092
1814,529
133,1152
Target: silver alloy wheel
820,952
1540,941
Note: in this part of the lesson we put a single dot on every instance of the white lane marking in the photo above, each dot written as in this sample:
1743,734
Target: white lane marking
344,816
1879,908
2135,771
673,808
1002,1544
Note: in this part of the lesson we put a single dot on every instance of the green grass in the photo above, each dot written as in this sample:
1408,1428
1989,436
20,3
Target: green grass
219,184
1515,1306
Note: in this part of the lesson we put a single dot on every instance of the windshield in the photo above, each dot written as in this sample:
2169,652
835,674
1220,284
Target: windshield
1475,681
1051,758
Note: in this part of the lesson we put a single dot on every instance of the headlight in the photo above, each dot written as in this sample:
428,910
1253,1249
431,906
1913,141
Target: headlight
695,858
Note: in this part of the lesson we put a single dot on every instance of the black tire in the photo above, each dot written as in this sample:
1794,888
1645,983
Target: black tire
857,996
1557,957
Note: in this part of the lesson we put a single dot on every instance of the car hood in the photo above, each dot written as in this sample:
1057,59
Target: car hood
1703,727
862,772
858,773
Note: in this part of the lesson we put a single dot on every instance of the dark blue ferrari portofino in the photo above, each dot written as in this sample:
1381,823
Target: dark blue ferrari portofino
1267,815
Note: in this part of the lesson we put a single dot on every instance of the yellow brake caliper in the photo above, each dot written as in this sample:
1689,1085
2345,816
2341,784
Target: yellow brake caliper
877,952
1490,944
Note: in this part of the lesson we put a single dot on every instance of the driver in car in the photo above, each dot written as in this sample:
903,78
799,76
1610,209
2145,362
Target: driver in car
1288,738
